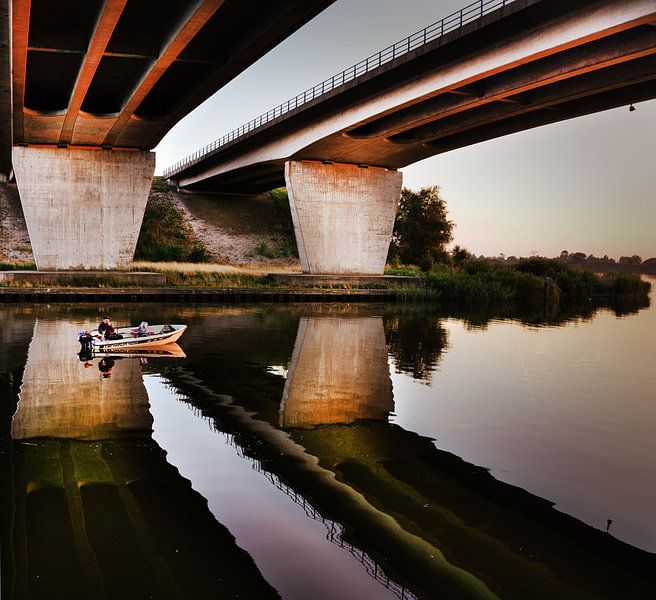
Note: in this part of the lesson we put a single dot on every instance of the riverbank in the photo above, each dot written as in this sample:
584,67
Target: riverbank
10,295
475,284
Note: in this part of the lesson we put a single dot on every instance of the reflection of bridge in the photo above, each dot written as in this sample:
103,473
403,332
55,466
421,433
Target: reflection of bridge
493,68
92,509
338,372
428,519
335,531
63,398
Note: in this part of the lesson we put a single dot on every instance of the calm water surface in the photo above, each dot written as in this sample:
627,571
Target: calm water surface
331,451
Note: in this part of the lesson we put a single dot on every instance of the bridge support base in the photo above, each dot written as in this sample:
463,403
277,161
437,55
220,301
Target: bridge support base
83,208
343,215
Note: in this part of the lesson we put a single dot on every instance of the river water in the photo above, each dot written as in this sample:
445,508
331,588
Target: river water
331,451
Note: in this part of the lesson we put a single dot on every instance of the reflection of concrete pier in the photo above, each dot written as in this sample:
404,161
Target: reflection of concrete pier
339,373
61,398
108,518
434,523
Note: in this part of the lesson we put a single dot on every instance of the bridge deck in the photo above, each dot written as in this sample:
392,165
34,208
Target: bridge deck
510,66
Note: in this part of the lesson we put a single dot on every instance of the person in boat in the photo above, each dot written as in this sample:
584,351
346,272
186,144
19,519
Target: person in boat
107,331
105,328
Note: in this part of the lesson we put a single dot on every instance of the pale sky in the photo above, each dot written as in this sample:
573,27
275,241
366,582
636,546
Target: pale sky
588,184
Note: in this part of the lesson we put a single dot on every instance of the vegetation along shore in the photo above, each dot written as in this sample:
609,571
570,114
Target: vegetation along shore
422,233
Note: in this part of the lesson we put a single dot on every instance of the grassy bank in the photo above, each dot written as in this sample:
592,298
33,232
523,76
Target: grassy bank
164,234
17,266
476,282
472,283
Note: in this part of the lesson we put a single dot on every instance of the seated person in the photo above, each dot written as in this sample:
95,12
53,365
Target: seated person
106,330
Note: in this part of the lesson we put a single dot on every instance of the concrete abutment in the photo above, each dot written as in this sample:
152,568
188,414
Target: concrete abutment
343,215
83,207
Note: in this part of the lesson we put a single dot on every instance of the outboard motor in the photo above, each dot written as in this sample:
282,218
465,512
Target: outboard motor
86,345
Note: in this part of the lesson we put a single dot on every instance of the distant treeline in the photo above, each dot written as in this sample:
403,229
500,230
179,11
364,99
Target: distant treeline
628,264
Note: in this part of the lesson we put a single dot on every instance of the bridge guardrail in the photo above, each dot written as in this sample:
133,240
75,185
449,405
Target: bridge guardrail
452,22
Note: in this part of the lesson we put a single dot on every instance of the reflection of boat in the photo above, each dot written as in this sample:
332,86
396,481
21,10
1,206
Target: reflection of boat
166,351
134,337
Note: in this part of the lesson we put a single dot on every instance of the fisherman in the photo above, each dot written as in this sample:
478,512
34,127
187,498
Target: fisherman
105,328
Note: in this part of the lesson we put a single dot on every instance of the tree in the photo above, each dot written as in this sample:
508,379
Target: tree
630,260
422,229
460,255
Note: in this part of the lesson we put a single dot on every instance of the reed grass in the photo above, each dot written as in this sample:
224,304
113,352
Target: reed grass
17,266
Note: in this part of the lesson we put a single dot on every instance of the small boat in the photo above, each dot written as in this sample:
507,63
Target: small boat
144,336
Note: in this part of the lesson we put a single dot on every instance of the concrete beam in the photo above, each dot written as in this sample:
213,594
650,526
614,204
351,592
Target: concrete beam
562,92
194,22
83,208
343,215
111,13
5,89
20,23
573,63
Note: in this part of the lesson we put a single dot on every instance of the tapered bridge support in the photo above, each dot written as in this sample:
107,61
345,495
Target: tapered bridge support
343,215
83,208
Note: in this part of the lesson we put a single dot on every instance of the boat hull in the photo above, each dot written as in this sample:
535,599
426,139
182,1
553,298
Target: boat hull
131,340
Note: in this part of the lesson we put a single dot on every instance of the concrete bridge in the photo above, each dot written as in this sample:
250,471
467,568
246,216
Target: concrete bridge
493,68
89,87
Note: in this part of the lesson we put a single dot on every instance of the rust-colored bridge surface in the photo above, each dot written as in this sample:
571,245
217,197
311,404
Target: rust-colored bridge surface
121,73
493,68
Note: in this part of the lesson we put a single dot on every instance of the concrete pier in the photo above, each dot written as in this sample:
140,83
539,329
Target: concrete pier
343,215
83,208
339,373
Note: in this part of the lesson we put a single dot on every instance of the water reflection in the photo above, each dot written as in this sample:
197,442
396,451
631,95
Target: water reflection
304,393
63,397
427,519
338,372
416,343
108,518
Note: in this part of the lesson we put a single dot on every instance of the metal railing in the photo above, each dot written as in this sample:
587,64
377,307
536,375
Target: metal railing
453,22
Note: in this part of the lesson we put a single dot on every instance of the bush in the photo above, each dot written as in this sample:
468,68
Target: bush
159,184
484,281
17,266
283,240
165,236
575,282
422,229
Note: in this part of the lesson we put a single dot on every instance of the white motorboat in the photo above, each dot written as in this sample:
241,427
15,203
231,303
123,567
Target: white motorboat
144,336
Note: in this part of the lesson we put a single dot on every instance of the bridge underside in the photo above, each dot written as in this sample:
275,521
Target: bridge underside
606,73
121,73
5,91
528,64
102,79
